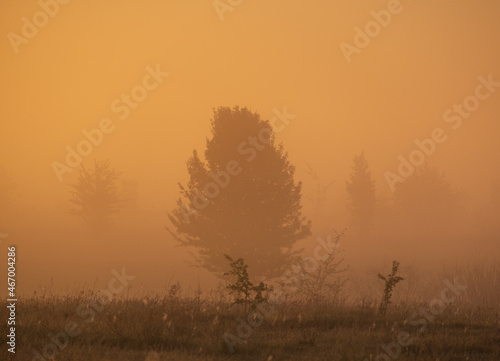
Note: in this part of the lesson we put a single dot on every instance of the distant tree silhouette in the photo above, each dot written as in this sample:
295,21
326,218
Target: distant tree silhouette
243,200
425,200
96,195
320,197
361,195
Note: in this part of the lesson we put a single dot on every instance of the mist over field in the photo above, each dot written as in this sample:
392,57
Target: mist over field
153,139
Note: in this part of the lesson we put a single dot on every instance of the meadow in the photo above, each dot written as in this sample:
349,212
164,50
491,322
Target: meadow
455,319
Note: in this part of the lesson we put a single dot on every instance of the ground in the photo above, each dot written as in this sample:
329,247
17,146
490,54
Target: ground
172,327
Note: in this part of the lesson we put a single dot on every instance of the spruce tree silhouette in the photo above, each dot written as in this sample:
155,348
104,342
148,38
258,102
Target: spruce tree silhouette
95,196
242,200
361,191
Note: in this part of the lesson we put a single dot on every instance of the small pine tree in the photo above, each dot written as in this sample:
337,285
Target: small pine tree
390,282
243,287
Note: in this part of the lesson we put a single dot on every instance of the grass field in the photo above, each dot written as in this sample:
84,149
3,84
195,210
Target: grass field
177,327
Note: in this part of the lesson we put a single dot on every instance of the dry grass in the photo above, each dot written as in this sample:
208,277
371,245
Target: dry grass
172,326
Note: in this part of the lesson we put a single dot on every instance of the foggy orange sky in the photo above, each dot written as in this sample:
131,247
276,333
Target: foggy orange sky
264,55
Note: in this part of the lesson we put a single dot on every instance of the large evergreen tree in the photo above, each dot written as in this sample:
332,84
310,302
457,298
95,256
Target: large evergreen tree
242,199
361,192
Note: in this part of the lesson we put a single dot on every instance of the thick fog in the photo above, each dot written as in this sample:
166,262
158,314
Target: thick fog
137,86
